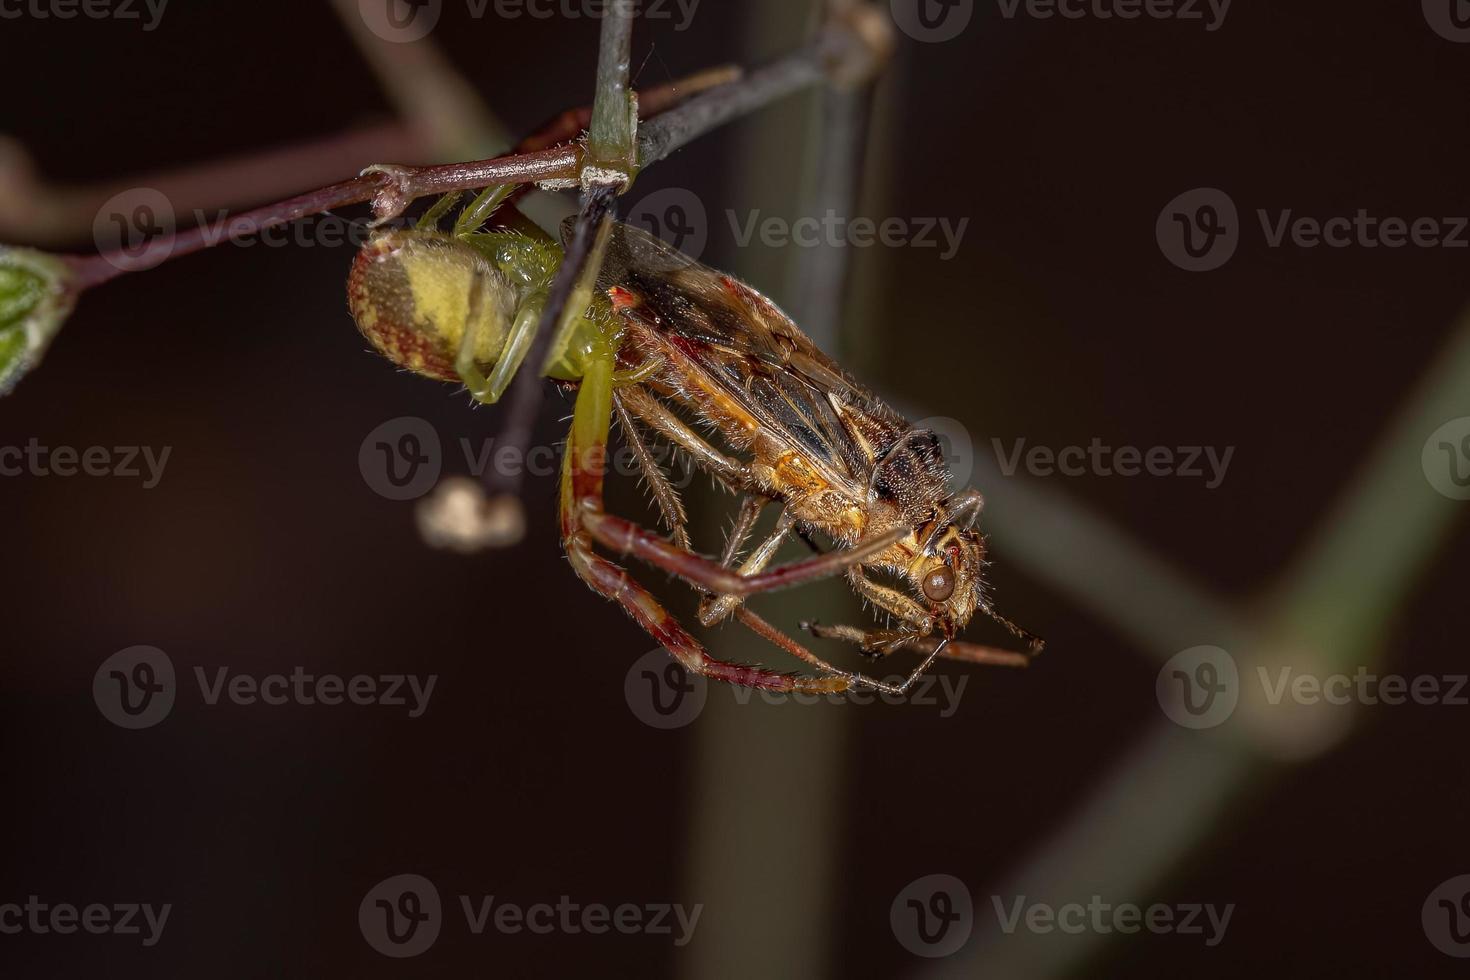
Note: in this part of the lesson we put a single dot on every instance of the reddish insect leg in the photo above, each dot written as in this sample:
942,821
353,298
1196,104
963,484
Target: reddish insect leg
880,643
765,630
627,538
581,498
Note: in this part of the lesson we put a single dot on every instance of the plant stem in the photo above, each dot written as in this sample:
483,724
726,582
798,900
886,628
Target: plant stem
614,117
805,66
392,194
614,126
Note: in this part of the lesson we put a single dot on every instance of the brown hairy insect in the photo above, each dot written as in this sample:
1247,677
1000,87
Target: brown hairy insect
674,349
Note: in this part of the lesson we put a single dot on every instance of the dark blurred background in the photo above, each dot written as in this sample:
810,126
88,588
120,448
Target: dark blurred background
532,775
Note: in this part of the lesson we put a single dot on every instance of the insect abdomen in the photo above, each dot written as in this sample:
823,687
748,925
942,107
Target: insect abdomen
410,294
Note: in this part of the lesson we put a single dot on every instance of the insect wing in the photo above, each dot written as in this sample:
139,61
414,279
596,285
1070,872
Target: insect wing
755,353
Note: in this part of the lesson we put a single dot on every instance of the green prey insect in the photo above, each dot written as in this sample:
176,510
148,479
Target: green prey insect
652,337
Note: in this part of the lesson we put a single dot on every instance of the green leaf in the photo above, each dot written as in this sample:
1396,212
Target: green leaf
35,299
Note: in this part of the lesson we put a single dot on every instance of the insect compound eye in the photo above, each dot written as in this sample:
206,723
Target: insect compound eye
939,584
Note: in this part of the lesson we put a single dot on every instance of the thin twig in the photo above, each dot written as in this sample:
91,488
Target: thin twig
803,67
615,122
526,392
36,212
392,194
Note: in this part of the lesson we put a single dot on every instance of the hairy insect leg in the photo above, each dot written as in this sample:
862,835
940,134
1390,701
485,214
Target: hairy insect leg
712,609
750,511
880,643
664,494
429,221
581,498
654,414
893,602
766,631
1034,644
628,538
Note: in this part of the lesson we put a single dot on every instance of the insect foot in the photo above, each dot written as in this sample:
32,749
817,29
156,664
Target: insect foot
460,516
